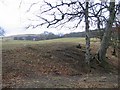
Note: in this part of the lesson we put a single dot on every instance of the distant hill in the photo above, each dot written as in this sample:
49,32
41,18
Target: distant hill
49,35
35,37
93,33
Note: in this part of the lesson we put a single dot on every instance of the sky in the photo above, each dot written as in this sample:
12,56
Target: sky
14,18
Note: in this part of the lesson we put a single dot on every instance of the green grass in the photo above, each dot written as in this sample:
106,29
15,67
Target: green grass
10,44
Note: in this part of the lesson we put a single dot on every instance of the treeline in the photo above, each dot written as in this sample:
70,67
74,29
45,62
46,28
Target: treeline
49,35
44,36
93,34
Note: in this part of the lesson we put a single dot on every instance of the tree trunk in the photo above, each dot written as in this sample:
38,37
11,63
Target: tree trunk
100,31
107,35
87,54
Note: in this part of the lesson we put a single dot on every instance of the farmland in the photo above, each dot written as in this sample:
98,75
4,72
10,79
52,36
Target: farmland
7,44
56,63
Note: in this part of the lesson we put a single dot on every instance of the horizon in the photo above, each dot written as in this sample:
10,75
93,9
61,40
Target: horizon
38,34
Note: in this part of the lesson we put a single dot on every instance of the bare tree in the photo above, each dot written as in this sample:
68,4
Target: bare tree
75,11
87,54
106,38
98,17
107,22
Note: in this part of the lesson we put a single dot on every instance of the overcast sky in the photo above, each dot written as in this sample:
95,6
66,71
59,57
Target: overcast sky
13,18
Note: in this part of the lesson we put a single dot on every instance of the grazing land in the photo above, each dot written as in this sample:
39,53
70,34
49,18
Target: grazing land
55,63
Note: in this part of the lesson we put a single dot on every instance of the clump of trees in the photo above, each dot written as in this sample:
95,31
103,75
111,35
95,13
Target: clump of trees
43,36
102,14
2,31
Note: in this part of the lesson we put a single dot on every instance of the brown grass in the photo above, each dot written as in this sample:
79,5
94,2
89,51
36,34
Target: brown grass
61,60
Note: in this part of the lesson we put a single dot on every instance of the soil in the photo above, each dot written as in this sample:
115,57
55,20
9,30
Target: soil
59,65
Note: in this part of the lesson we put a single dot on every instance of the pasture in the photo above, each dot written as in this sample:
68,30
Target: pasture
9,44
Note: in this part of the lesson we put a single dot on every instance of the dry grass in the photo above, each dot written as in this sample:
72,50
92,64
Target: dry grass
52,64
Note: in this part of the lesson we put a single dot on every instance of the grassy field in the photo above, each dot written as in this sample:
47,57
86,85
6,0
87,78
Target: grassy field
10,44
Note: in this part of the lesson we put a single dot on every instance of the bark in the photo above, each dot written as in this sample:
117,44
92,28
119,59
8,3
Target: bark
87,54
100,31
114,50
107,35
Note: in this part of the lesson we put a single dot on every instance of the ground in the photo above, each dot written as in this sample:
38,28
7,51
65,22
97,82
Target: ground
57,64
